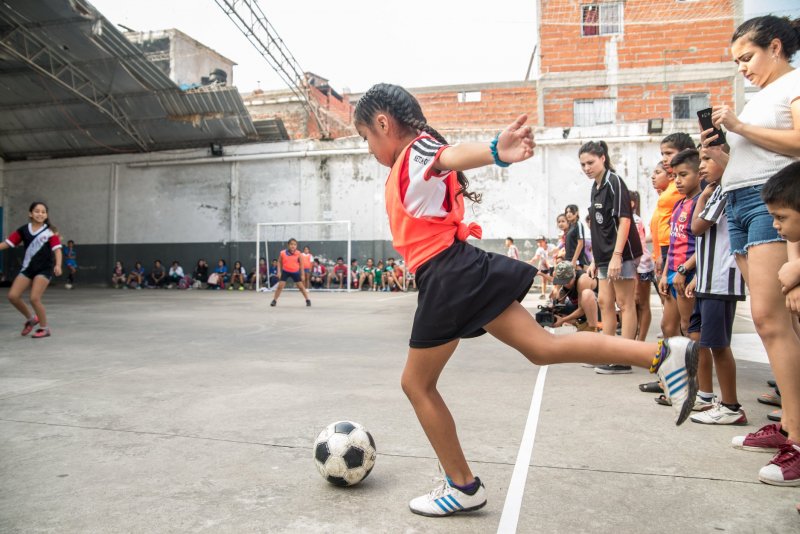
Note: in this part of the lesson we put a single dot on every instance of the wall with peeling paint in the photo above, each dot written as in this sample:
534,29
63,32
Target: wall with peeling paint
179,204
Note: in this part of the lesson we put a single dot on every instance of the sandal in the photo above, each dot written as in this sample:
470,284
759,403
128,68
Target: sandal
772,383
775,415
769,398
651,387
663,400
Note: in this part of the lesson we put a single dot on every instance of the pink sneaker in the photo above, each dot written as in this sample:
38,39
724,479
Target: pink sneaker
29,324
765,439
40,333
784,468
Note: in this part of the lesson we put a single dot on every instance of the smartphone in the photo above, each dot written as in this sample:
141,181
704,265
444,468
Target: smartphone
704,115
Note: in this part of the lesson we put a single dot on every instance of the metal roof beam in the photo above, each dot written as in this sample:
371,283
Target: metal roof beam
44,59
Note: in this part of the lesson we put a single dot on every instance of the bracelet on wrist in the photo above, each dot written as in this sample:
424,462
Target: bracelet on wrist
617,253
493,148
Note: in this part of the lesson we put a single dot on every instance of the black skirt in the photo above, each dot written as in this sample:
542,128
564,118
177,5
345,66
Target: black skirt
463,288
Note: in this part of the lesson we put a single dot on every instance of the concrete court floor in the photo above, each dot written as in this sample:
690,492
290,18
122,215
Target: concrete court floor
195,411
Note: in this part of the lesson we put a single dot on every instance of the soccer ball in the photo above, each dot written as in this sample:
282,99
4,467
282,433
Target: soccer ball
344,453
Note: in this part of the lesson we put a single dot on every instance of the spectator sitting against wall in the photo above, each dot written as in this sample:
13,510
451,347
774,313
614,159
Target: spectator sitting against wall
259,274
355,273
391,282
367,276
338,274
158,276
118,277
136,276
71,263
238,276
577,291
175,275
273,273
200,275
318,274
217,279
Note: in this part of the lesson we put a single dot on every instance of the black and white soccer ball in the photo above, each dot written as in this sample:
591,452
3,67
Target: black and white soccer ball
344,453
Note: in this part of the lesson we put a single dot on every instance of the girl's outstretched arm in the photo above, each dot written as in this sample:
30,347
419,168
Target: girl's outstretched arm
514,144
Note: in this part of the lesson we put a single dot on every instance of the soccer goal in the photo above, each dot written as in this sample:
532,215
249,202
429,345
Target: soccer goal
327,241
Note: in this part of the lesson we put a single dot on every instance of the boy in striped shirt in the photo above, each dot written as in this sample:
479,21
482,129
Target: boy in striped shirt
717,286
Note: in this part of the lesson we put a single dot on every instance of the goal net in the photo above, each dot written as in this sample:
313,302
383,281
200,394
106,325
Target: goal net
326,240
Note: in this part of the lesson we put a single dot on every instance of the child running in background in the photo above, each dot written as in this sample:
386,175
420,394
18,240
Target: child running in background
42,261
511,249
541,261
465,292
716,288
71,263
680,268
290,267
645,273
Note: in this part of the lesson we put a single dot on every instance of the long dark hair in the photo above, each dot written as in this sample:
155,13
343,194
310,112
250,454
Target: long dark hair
598,148
47,220
762,30
404,108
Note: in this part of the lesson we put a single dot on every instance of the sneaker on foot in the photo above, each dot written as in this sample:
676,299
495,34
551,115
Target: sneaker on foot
308,302
720,415
613,369
40,333
588,365
676,366
446,500
28,326
766,439
784,468
701,405
273,303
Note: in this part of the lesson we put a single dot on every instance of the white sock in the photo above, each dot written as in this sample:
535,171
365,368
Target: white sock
705,395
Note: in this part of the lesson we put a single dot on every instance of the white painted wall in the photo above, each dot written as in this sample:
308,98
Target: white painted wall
189,197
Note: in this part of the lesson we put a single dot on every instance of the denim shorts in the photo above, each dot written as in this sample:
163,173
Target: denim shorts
749,222
628,271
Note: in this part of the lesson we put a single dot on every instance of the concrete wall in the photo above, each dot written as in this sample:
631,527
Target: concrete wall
184,205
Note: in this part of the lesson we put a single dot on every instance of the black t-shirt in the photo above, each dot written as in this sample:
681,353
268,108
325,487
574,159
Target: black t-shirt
608,204
575,233
571,293
201,273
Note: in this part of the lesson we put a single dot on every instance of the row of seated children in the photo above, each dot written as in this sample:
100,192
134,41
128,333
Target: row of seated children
220,277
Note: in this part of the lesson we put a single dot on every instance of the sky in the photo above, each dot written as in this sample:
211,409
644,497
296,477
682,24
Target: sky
361,42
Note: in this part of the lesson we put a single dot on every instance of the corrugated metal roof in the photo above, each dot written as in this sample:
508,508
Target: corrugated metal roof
40,117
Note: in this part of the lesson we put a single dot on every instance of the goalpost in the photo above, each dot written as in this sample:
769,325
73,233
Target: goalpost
327,240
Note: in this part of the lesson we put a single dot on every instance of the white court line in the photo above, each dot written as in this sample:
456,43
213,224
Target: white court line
513,504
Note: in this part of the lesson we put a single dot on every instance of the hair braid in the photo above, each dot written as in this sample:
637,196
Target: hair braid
406,110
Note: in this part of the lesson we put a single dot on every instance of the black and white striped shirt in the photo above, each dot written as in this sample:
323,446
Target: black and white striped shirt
718,277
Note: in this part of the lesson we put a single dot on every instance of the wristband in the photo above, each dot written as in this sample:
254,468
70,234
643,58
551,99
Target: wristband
493,148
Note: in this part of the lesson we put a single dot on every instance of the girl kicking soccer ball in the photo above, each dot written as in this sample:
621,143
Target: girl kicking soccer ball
464,291
42,260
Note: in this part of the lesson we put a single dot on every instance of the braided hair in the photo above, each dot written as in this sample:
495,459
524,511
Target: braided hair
404,108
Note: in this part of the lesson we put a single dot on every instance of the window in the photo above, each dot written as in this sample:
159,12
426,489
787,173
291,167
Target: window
601,19
595,111
687,106
469,96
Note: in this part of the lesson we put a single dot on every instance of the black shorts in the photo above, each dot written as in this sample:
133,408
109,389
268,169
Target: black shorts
286,276
32,272
549,270
463,288
713,318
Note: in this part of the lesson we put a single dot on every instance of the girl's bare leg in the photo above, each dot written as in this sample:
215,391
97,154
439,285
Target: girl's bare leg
773,323
606,299
278,289
38,285
517,328
685,309
625,292
420,376
302,289
18,287
671,320
643,312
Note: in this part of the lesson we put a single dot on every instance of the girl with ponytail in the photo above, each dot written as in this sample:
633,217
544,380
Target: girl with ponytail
465,292
616,246
42,261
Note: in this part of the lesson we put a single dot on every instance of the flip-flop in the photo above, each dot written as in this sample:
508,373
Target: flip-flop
769,398
663,400
775,415
651,387
772,383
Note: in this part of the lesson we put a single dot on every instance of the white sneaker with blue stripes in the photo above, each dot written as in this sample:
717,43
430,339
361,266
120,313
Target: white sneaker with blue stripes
446,500
676,366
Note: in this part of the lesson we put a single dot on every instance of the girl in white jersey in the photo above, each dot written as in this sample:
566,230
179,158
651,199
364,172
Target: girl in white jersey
41,262
763,139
